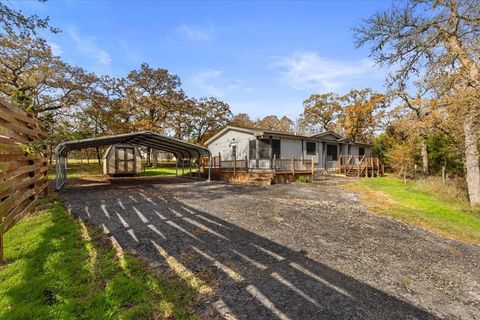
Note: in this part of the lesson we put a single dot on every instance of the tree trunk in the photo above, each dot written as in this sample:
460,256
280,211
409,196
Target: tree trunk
50,155
154,158
471,160
424,153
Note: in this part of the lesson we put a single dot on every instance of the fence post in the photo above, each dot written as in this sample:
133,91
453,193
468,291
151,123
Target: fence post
443,175
246,164
234,166
219,160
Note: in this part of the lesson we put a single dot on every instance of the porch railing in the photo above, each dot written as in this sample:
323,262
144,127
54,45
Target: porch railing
361,165
292,165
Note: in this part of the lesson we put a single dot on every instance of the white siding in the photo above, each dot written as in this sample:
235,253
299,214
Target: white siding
290,148
354,150
223,144
317,155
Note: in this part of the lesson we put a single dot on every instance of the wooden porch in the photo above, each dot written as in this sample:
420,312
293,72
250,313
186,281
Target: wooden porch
271,171
361,166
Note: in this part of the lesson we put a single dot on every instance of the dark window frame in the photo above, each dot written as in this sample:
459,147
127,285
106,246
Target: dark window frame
252,149
361,151
330,147
309,150
264,148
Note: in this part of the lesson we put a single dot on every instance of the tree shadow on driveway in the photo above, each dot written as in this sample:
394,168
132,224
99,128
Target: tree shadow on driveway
254,277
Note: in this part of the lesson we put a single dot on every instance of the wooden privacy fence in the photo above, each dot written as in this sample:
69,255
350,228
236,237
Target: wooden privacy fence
23,165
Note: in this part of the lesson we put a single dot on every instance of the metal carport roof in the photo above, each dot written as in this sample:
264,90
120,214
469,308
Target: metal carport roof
179,148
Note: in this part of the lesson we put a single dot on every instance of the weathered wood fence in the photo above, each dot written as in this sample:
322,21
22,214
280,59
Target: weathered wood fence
23,165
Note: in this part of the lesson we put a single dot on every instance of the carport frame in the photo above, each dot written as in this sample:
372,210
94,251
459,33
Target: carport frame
144,139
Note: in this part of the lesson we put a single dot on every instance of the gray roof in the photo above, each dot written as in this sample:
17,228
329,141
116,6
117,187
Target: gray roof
262,132
146,139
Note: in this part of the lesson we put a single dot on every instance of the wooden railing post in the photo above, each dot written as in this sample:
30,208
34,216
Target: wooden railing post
246,163
366,167
234,166
293,166
378,166
312,167
219,160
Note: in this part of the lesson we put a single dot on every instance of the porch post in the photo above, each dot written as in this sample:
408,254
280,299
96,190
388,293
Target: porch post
257,152
271,152
209,166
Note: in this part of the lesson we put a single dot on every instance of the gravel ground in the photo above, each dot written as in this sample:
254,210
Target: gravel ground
299,251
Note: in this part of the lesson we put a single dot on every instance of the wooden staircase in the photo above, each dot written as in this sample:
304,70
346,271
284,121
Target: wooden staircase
259,179
364,166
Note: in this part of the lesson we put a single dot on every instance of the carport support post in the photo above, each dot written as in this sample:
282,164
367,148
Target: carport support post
198,168
176,166
190,162
209,167
183,166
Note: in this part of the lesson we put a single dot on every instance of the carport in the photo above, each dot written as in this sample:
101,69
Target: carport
181,149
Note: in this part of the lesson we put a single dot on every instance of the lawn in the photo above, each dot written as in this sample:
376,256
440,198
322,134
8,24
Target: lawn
76,170
428,208
58,268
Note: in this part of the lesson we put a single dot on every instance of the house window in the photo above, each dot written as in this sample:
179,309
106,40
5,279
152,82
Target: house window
264,148
234,152
276,148
361,152
252,148
332,152
311,148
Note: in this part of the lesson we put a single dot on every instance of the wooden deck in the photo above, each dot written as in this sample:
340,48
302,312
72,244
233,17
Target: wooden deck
277,171
289,170
361,166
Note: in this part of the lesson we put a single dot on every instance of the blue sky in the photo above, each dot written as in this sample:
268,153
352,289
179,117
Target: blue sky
260,57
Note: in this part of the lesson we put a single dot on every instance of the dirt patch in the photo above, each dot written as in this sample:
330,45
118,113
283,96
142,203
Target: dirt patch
299,251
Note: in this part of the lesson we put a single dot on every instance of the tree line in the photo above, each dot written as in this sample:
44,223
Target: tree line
428,116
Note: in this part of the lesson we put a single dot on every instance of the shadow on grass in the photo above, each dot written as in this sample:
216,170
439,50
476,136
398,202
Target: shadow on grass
58,268
252,276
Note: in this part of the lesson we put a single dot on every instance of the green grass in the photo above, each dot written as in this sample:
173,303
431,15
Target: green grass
77,170
57,268
413,203
161,171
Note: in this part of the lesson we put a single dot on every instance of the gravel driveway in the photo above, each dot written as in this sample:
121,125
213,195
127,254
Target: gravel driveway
299,251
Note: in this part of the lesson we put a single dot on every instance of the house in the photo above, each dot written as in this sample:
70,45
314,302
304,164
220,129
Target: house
122,159
260,147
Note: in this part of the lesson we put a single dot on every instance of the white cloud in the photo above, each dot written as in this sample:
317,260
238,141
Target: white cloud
88,46
197,33
308,70
56,49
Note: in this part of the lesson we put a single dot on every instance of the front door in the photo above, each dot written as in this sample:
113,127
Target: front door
124,160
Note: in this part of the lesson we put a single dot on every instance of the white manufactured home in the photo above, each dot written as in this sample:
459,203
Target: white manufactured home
260,147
